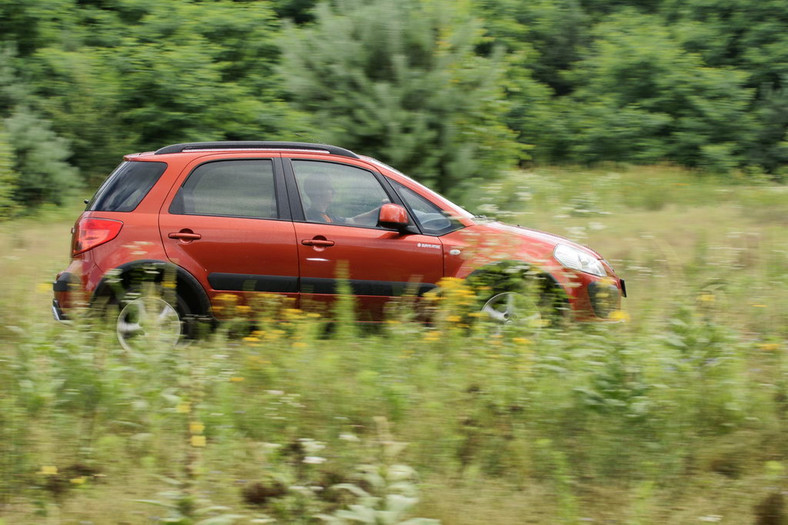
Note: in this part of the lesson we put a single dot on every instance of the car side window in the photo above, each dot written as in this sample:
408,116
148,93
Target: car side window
431,219
335,193
230,188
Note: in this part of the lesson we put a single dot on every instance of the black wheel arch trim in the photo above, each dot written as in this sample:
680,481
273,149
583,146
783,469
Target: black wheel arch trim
518,266
123,272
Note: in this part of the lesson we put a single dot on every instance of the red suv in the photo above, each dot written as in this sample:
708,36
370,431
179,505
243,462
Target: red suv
289,218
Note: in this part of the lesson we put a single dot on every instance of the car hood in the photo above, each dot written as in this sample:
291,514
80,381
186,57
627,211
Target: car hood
529,236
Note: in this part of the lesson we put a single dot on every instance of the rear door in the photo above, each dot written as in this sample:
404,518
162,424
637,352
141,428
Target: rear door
228,223
337,236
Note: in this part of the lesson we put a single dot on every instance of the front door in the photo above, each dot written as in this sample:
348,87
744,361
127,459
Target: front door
339,238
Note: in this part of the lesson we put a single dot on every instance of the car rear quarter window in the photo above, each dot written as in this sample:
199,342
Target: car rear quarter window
125,188
230,188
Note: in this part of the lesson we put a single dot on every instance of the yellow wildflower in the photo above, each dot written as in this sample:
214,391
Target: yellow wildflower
196,427
226,299
183,408
198,441
432,336
274,335
48,470
78,481
770,347
293,313
236,379
619,315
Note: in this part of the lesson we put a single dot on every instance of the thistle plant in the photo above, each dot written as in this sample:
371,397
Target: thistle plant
384,491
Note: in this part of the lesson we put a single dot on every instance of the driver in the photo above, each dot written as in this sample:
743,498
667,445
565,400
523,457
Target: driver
321,196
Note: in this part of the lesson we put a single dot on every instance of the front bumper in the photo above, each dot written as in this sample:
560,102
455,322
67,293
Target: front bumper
605,298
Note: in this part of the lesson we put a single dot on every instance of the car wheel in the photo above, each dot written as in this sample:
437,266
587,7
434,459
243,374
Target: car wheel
512,308
145,320
521,301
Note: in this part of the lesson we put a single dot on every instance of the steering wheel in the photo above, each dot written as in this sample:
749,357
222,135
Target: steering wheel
434,222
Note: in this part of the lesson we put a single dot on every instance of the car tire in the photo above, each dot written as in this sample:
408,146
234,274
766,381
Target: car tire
150,317
530,302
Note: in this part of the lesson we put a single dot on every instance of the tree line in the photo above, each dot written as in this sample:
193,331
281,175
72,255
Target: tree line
449,91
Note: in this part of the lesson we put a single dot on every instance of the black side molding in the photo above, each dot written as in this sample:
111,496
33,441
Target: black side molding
253,283
361,287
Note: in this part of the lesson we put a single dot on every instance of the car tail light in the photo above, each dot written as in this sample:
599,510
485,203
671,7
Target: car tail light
90,233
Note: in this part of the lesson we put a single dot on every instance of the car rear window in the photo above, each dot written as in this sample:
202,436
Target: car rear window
125,188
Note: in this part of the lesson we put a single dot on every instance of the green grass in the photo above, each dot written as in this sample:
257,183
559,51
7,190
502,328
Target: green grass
676,416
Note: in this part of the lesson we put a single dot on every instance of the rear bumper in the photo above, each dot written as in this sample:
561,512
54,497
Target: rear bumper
62,288
57,312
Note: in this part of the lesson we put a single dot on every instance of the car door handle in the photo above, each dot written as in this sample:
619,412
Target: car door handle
185,235
322,243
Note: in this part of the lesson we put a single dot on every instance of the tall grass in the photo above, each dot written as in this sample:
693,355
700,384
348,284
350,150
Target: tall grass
676,416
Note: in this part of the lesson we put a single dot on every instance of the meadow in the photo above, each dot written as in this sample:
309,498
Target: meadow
678,414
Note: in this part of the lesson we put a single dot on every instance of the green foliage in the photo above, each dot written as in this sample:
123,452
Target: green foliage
34,166
544,37
451,93
81,95
8,176
299,11
132,76
691,82
210,78
392,79
642,98
391,489
30,26
40,160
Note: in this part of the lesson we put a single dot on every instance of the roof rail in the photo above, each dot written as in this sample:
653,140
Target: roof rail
254,144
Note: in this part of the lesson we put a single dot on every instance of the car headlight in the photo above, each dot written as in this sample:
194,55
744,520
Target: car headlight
578,260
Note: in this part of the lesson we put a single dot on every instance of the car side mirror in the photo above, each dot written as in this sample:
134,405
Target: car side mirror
393,216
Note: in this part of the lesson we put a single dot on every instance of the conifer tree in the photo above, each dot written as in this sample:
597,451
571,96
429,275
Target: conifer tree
40,159
400,80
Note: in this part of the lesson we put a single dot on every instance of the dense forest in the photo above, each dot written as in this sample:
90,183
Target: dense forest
448,91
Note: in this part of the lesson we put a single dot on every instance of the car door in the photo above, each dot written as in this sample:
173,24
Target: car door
338,237
228,224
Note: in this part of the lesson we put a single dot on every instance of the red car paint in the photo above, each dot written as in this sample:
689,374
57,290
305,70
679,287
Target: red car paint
238,250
